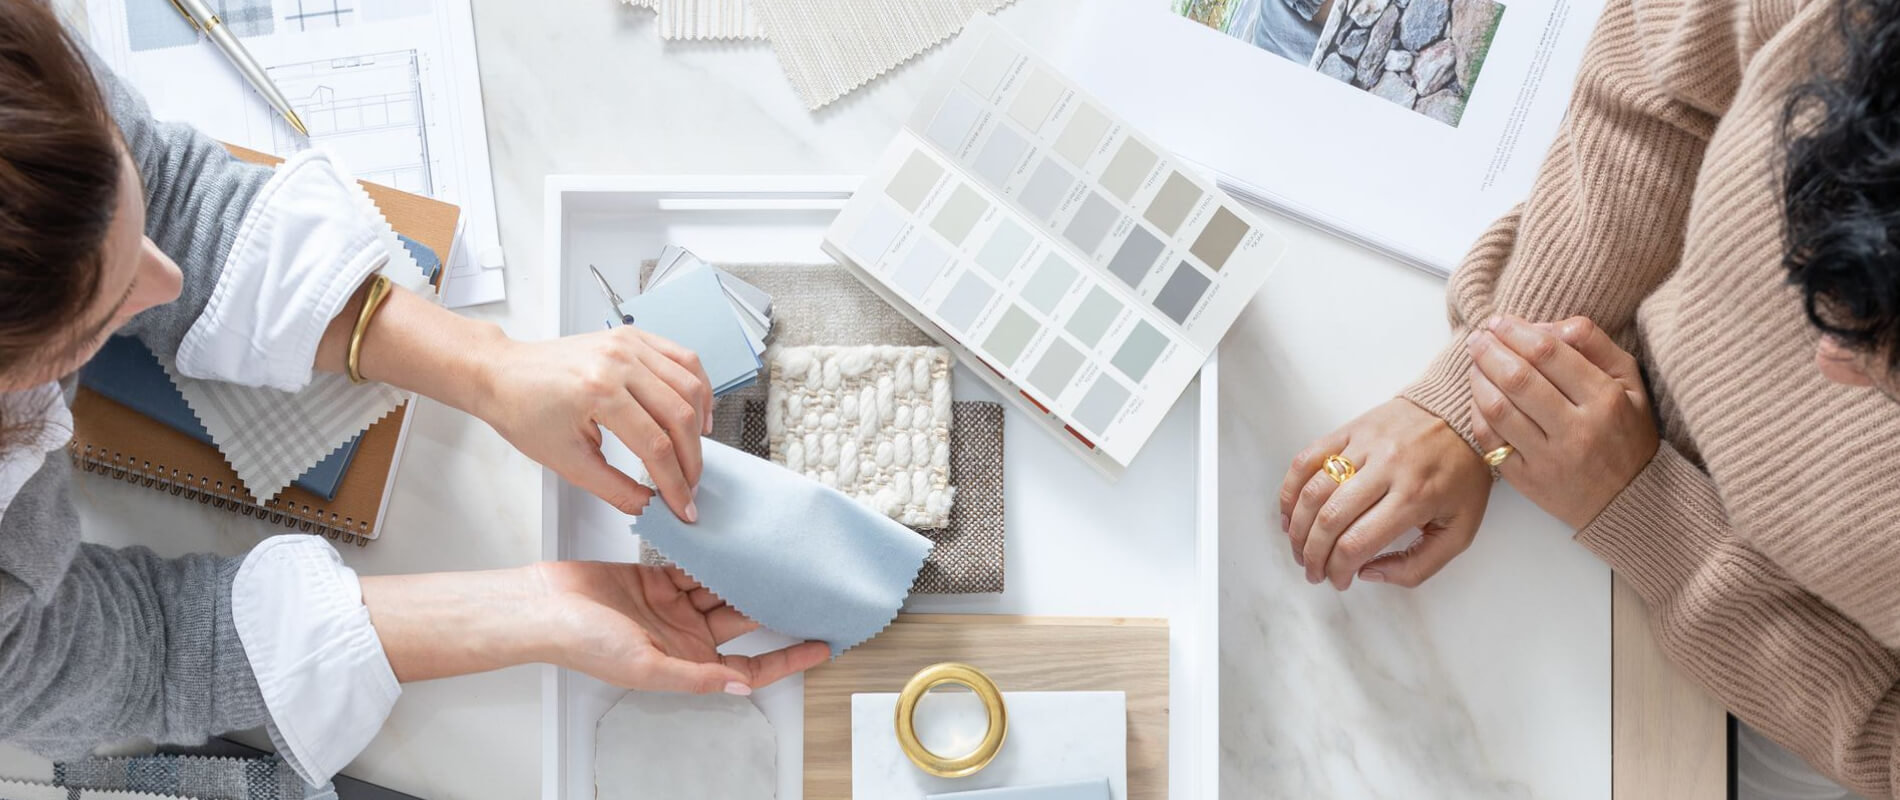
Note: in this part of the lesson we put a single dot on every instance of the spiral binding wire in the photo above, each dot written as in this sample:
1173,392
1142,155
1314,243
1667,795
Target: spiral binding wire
217,494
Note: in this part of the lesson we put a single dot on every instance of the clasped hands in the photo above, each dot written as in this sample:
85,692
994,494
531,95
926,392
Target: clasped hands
1568,400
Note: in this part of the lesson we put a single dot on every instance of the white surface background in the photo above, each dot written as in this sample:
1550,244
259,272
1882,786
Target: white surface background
1492,681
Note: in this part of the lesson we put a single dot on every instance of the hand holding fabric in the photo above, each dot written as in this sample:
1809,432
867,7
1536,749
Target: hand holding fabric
1573,405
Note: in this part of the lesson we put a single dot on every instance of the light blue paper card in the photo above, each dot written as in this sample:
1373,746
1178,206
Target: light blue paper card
693,311
792,554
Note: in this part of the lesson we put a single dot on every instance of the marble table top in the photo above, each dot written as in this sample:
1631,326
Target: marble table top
1491,681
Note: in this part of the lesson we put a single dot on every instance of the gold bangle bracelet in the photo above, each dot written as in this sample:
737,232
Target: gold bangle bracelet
378,292
965,675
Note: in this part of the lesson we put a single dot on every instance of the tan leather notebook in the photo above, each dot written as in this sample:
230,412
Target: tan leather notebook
117,442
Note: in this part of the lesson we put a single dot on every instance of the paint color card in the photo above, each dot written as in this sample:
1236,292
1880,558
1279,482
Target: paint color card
1046,188
965,301
1092,318
1218,240
1099,407
912,183
1171,205
1082,133
960,213
1005,247
1128,169
1068,257
1137,254
1011,335
956,120
1058,364
986,72
920,269
1182,292
1037,99
1049,284
1000,155
878,232
1091,222
1140,350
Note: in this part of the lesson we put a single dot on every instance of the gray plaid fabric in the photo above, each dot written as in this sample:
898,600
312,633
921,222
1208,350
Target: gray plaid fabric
199,777
823,304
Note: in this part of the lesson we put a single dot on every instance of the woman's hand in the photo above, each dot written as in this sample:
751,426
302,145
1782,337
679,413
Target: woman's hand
654,628
550,399
1413,472
1571,402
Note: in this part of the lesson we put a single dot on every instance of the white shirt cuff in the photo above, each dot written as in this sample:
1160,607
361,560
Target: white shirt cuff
321,668
306,244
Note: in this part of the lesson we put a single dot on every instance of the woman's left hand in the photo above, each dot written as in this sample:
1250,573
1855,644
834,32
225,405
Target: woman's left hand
1573,405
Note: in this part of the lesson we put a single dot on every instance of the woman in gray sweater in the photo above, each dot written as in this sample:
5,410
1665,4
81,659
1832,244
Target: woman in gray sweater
112,223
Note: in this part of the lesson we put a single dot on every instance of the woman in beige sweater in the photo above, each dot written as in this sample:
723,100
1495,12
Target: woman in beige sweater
1688,333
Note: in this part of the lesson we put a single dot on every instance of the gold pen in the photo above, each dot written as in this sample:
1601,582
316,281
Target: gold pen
204,19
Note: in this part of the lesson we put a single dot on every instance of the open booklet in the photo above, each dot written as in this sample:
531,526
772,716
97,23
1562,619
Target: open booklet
1067,258
1406,125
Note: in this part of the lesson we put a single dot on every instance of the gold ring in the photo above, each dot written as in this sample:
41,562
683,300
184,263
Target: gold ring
1497,456
1339,468
963,675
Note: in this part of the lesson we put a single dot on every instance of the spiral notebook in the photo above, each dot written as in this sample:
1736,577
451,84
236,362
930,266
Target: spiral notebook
115,441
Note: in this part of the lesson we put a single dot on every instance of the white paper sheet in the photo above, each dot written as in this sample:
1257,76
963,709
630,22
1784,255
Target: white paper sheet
391,86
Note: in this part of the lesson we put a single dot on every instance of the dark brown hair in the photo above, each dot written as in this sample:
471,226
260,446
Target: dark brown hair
59,180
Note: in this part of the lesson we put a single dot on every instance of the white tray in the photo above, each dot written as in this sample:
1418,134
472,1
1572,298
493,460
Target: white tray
1079,544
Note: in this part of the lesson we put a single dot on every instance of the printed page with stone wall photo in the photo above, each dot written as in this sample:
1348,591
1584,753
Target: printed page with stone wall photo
1406,125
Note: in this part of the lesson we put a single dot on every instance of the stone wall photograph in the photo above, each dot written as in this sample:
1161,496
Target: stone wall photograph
1425,55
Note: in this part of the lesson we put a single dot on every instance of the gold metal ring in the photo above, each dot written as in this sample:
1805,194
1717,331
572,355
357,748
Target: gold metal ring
1497,456
1339,468
963,675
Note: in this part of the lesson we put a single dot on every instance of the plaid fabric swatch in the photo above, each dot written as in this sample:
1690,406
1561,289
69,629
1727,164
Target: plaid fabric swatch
203,777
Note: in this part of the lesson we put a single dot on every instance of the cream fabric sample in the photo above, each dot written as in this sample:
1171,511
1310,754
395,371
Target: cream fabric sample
872,422
707,19
831,47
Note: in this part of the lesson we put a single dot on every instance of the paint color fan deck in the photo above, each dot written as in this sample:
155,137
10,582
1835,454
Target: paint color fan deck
1067,258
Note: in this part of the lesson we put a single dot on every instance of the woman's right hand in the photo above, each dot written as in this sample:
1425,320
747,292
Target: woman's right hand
1414,471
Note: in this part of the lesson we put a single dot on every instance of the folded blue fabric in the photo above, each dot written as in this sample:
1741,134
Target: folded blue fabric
1084,790
792,554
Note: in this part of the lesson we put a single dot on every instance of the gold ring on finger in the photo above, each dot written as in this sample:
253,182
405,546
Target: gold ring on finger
1496,457
1339,468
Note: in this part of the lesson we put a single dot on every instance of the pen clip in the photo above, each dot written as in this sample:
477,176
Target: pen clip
188,17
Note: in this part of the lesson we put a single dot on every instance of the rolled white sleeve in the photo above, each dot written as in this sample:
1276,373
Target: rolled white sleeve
309,240
321,668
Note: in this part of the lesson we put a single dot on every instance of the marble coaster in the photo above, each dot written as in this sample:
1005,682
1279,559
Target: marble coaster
1054,737
654,745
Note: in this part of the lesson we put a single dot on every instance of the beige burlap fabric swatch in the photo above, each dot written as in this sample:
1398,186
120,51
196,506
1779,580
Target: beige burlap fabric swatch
830,47
824,304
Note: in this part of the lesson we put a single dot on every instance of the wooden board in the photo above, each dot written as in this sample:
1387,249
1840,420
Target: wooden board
1022,654
1668,737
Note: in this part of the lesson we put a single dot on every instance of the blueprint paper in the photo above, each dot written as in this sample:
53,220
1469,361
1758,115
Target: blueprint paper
391,86
787,552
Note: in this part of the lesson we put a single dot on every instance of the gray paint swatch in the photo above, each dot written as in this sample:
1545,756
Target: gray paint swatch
1171,204
1058,364
1094,315
1099,407
1050,284
1046,187
1182,291
1137,254
965,301
1011,335
1091,222
1140,350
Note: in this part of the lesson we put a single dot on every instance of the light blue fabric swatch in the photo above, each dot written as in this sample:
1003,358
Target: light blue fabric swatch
792,554
1084,790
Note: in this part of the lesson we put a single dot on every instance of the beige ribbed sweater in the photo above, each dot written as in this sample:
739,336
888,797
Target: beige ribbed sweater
1765,534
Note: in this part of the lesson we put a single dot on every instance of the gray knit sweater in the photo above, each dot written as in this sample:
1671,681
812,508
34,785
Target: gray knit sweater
98,644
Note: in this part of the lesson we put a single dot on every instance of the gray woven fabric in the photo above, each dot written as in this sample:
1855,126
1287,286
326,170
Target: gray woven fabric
816,304
201,777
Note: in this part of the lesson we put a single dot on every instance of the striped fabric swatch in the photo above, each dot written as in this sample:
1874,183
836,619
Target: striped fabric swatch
830,47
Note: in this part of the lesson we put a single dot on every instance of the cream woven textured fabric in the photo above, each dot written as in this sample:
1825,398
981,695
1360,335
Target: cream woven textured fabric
871,421
830,47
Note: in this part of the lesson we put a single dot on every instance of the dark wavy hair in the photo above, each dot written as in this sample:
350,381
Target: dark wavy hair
1841,191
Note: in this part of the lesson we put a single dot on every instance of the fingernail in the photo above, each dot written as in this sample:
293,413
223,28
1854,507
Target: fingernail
692,512
1313,580
1494,323
1286,524
737,688
1371,576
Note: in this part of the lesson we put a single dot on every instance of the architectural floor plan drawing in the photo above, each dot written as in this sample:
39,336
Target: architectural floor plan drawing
367,109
